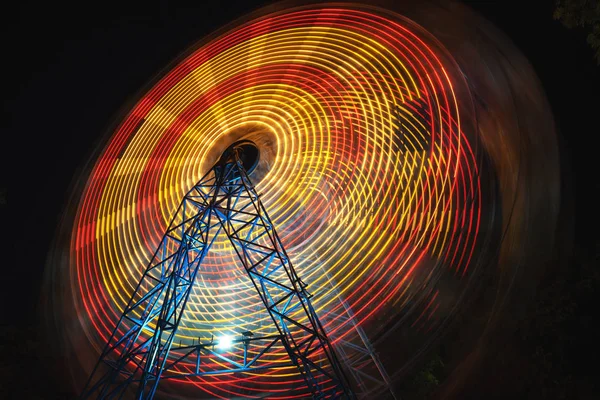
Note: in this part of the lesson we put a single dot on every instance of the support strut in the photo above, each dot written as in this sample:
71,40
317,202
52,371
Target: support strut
141,351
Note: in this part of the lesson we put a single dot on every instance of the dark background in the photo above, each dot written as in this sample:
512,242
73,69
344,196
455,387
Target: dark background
70,68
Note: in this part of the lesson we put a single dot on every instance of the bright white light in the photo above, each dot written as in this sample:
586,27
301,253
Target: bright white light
225,342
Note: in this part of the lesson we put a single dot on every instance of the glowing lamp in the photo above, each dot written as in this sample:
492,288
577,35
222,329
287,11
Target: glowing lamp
225,342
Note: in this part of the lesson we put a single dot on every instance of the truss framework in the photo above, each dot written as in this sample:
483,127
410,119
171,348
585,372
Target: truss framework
141,351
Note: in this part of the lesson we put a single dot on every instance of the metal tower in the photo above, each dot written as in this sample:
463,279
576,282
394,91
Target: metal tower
141,351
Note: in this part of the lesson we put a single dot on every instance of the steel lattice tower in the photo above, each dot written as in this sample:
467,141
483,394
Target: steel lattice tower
140,349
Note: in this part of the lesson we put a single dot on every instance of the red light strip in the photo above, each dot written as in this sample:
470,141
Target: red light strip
348,194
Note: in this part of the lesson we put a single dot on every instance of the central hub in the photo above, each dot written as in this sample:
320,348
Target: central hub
257,150
246,151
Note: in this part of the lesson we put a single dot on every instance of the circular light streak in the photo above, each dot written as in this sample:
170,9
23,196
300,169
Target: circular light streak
366,169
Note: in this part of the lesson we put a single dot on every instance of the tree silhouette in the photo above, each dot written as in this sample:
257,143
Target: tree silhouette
581,14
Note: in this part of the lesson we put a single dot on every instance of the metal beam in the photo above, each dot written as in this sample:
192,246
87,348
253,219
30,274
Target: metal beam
140,350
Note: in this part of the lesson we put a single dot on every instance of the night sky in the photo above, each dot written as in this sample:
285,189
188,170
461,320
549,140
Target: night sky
72,67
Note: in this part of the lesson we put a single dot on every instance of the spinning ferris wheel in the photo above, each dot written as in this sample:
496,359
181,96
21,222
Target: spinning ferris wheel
279,207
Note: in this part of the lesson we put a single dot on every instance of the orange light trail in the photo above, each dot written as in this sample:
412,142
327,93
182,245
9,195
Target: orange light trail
372,173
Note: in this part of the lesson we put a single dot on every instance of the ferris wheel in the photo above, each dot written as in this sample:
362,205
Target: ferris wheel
281,212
